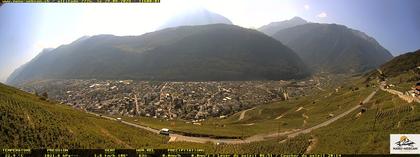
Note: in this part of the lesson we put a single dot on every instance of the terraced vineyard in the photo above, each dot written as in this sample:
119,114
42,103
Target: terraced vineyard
369,133
29,122
390,113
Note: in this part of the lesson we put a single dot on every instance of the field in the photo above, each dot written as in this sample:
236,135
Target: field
369,133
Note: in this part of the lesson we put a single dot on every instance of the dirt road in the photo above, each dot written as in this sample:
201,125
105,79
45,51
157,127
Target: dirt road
401,95
242,116
328,122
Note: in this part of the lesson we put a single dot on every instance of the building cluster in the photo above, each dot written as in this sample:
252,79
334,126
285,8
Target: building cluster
168,100
415,91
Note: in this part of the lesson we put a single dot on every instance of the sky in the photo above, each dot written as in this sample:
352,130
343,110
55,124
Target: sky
26,29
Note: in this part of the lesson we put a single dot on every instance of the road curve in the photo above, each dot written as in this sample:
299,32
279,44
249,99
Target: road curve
254,138
401,95
242,116
328,122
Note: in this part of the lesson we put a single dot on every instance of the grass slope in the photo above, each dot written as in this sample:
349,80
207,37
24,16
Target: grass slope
369,133
28,122
362,135
403,68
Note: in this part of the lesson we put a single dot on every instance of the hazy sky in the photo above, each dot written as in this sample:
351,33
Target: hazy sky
25,29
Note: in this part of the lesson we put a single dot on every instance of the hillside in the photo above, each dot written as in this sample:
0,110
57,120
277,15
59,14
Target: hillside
401,64
209,52
193,17
369,132
274,27
387,113
334,48
29,122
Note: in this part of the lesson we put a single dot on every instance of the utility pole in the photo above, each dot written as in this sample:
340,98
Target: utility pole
278,132
137,104
376,117
242,132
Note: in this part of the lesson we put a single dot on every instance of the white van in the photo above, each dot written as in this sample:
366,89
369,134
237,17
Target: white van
164,131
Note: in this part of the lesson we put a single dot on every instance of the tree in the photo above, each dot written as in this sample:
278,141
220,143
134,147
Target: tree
44,96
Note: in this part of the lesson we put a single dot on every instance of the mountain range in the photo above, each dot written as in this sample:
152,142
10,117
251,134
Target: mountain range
334,48
205,52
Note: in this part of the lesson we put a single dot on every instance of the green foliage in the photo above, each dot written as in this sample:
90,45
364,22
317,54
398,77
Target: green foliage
45,95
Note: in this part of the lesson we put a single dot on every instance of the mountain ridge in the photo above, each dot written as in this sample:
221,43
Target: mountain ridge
401,64
227,52
334,48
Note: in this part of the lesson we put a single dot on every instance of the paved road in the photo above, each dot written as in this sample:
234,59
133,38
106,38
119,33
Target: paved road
258,137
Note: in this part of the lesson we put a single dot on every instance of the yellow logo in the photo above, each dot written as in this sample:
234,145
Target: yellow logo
404,141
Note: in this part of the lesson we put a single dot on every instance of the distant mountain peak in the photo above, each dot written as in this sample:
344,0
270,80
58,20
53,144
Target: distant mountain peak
334,48
297,18
274,27
81,39
198,16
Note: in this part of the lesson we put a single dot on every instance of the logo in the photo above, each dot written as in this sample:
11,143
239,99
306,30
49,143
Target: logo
404,143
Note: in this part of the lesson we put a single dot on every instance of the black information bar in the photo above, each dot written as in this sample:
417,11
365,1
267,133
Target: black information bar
153,153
